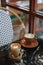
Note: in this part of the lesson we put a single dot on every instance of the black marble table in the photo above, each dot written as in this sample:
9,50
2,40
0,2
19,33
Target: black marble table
28,57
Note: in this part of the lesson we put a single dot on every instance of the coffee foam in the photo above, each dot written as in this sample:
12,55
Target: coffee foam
15,46
29,36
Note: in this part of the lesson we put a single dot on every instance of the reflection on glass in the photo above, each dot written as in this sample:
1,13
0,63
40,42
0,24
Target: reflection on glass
39,1
39,27
39,4
23,4
39,23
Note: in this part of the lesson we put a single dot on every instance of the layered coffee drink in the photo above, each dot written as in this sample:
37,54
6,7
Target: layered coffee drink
15,49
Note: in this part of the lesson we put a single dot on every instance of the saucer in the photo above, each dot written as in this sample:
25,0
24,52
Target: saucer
28,45
12,57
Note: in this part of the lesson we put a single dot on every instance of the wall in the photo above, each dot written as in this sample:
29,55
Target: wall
0,2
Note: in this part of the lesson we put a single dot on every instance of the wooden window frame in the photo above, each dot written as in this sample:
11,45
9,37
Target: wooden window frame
32,14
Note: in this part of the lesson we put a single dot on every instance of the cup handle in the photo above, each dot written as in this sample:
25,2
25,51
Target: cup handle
36,37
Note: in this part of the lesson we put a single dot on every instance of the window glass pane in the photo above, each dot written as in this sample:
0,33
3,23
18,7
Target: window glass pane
7,0
39,1
26,22
39,4
21,3
39,27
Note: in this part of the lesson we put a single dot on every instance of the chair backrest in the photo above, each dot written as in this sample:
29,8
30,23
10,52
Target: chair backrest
6,30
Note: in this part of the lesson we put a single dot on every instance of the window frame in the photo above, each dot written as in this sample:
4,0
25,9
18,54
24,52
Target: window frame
32,14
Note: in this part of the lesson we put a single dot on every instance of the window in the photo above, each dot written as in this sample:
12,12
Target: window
35,16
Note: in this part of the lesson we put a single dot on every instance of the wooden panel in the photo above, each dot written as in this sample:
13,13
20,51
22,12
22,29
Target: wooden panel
16,11
3,3
31,17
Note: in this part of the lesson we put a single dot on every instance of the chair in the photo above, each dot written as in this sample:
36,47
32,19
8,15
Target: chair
6,28
6,31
